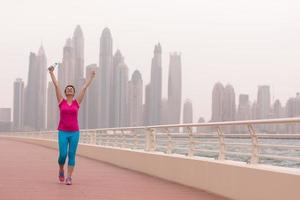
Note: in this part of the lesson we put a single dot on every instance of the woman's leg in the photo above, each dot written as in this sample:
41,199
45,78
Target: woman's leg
63,147
73,143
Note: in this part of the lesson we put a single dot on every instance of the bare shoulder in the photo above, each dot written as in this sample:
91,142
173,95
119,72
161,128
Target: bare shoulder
60,101
77,102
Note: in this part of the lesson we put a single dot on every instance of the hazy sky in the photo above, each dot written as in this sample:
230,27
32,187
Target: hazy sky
244,43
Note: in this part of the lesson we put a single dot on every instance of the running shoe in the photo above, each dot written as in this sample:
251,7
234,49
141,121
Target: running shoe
61,176
69,181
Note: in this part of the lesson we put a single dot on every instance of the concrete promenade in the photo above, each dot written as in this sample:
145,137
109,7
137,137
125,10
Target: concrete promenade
29,172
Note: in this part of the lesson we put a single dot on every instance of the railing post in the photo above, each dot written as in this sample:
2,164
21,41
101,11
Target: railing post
135,138
170,144
131,138
100,134
191,142
106,138
254,140
221,144
150,140
89,137
114,138
123,138
101,142
93,137
97,137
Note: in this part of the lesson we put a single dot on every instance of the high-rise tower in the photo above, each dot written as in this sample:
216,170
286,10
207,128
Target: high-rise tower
35,92
217,103
135,99
229,107
52,108
78,49
18,104
105,64
155,87
187,112
117,59
174,89
121,96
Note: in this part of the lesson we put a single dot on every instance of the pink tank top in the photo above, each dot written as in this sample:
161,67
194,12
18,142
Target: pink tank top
68,116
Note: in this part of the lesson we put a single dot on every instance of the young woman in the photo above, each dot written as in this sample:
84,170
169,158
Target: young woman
68,129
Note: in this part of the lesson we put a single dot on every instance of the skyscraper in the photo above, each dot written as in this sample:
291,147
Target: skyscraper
155,87
117,59
174,89
105,64
243,112
290,107
121,96
188,112
35,92
92,99
277,112
42,89
164,111
71,70
244,108
135,99
217,103
18,104
289,112
146,106
293,110
263,107
31,92
66,72
78,49
263,102
52,108
253,110
228,107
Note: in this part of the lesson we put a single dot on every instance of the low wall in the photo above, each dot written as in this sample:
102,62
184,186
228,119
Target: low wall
230,179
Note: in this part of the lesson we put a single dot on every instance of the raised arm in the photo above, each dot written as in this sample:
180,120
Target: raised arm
85,86
57,89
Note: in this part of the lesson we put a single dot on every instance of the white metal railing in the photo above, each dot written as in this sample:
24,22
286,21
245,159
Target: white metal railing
233,140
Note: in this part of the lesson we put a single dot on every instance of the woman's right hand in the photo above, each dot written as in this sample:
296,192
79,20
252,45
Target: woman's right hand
51,69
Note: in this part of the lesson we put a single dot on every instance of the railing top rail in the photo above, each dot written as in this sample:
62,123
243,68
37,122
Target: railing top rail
209,124
227,123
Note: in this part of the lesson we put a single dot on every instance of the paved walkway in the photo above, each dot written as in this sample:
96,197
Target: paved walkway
29,172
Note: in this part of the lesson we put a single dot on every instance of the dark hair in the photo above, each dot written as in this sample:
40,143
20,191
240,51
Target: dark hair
72,86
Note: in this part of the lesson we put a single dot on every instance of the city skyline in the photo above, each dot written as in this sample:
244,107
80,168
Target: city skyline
70,71
217,46
70,54
125,105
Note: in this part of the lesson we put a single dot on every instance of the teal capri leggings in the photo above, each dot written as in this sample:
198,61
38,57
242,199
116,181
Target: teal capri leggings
67,143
